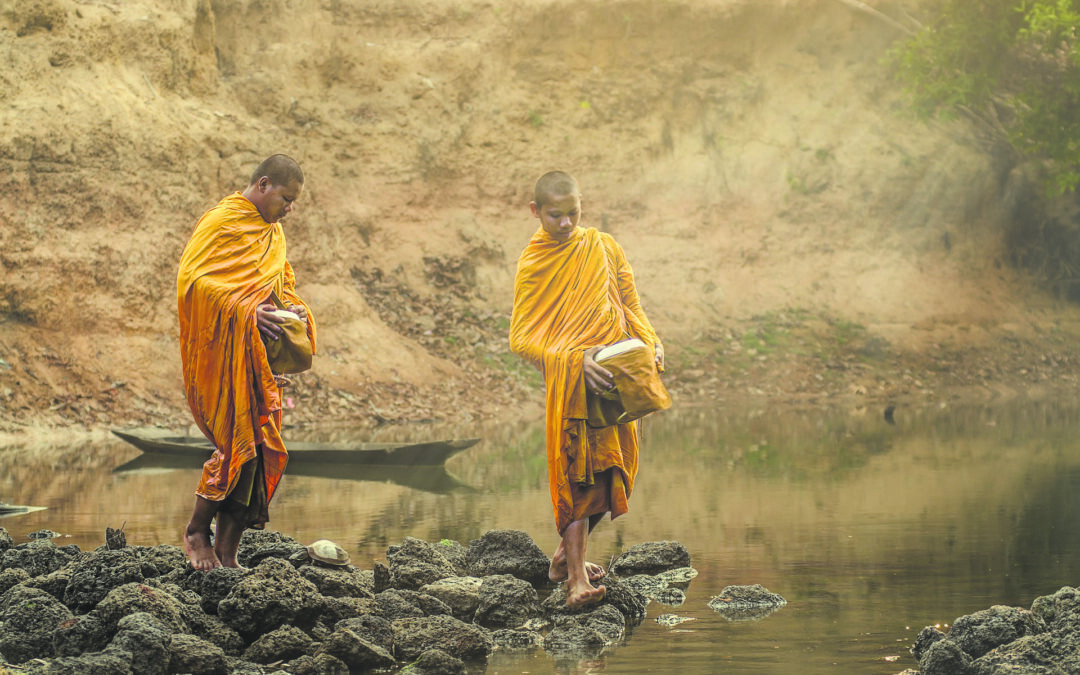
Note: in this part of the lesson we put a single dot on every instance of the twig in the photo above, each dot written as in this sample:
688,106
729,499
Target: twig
152,91
863,7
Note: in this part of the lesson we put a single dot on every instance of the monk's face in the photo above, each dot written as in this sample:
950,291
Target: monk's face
276,201
559,215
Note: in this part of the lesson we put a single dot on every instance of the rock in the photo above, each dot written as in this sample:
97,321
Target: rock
81,635
271,595
134,598
461,595
416,563
437,662
651,558
355,651
214,586
259,545
511,639
506,602
193,655
337,582
12,577
382,578
37,558
28,618
746,603
412,637
1059,611
1046,654
945,657
147,640
110,661
376,630
510,552
982,631
322,664
212,629
53,583
284,644
672,619
403,604
926,637
93,577
6,542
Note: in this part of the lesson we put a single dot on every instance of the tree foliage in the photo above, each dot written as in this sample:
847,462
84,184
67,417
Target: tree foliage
1013,65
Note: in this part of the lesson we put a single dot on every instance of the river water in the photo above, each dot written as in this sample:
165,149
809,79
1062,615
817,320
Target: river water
870,530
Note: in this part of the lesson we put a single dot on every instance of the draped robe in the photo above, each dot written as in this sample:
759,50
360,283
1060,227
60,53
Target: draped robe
231,264
569,297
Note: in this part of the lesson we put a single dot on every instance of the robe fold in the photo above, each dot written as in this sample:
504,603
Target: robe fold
568,298
232,263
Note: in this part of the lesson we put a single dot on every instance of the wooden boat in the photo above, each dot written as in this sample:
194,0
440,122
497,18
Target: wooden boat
427,453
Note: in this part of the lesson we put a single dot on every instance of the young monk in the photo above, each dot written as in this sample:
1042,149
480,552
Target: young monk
232,264
573,295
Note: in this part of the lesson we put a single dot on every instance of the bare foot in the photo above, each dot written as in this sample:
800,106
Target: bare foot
199,551
557,571
586,596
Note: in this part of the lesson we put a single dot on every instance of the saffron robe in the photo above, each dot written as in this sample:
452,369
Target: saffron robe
232,263
568,298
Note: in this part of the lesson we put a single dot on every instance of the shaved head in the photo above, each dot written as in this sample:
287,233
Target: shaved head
554,184
280,169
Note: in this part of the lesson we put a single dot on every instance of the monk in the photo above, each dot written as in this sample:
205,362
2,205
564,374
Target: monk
232,268
574,294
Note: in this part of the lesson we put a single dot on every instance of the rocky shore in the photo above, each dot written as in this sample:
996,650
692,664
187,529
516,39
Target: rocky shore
1043,640
436,607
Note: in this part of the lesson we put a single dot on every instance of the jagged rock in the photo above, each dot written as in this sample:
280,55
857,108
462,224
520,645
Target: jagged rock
376,630
510,552
623,597
93,577
322,664
746,603
512,639
259,545
271,595
28,618
38,557
437,662
337,582
506,602
284,644
110,661
10,578
147,640
355,651
461,595
926,637
81,635
651,557
402,604
412,637
134,598
1046,654
6,542
982,631
214,586
1060,610
416,563
945,657
191,654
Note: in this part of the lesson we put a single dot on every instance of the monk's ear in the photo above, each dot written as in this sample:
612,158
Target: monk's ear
535,209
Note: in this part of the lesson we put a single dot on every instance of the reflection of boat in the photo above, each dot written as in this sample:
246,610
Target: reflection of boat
427,453
17,510
427,478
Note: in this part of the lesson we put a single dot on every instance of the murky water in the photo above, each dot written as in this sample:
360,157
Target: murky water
869,530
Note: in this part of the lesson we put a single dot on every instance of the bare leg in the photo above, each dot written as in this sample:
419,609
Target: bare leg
557,571
197,535
227,542
579,591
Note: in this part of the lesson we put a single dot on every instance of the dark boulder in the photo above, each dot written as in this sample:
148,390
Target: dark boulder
510,552
28,619
651,557
506,602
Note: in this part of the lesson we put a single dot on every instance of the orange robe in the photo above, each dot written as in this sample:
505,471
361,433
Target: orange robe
231,264
569,297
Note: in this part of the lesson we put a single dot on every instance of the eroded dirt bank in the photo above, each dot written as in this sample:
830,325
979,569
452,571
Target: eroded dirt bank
794,234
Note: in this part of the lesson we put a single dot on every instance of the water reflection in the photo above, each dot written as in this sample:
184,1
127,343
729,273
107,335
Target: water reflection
870,530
